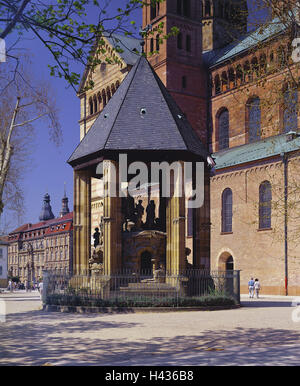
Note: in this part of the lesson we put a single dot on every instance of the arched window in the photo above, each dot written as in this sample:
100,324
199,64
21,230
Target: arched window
254,119
227,210
157,43
151,45
207,10
231,75
113,90
117,84
153,11
224,81
281,57
265,205
239,75
255,66
223,129
104,98
95,104
290,110
187,8
179,41
99,100
263,63
91,106
217,85
108,93
188,43
247,71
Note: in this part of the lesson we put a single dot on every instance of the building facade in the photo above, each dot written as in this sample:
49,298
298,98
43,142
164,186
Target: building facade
3,262
236,90
46,245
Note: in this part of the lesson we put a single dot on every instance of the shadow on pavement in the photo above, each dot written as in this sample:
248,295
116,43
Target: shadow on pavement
37,337
265,303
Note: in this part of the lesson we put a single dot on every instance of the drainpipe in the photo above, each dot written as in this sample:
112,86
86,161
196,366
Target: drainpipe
285,171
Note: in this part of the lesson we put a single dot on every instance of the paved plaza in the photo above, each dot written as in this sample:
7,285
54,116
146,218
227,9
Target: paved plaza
261,332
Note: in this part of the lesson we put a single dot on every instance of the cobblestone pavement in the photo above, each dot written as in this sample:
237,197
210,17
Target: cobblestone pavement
262,332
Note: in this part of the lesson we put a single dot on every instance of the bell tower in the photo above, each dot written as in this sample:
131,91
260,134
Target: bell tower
178,59
223,21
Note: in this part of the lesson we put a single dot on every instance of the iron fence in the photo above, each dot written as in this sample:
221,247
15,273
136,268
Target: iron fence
142,286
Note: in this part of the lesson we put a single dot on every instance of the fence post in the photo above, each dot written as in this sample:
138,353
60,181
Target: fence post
45,286
236,286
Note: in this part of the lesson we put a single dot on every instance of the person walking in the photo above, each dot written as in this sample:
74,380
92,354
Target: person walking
256,287
251,287
41,286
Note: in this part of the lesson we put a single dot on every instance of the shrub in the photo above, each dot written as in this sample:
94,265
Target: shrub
142,301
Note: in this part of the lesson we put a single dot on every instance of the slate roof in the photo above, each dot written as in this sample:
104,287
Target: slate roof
141,115
269,147
246,42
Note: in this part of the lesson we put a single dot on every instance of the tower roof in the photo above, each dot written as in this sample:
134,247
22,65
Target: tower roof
46,213
141,116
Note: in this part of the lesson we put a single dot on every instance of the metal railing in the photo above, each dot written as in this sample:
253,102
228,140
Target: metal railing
142,286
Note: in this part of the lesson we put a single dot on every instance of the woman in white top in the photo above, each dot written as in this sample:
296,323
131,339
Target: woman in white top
256,287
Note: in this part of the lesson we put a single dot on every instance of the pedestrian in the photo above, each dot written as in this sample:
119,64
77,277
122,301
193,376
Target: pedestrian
10,287
41,286
251,287
256,287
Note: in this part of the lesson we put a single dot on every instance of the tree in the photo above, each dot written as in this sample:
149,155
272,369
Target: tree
23,102
63,27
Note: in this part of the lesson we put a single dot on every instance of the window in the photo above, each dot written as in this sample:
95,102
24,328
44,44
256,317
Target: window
188,43
153,11
91,104
254,120
1,270
187,8
290,112
223,129
183,82
157,42
207,11
1,253
217,85
179,7
151,45
227,211
179,41
265,205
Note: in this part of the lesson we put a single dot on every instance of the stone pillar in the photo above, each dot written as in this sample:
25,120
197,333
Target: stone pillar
112,219
82,221
201,227
175,227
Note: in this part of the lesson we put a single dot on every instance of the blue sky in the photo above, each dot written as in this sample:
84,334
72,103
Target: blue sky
48,168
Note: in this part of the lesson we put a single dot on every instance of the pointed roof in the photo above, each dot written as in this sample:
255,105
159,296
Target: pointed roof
46,213
127,48
141,116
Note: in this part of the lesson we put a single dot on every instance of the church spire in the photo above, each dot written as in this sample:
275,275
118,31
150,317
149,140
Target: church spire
64,209
46,213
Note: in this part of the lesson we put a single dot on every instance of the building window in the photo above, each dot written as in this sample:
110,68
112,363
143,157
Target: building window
223,129
290,112
179,41
183,82
217,85
151,45
265,205
1,253
207,10
187,8
188,43
157,43
254,120
227,211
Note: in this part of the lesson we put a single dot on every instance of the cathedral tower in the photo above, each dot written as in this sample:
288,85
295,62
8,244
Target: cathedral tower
223,21
46,213
64,208
178,60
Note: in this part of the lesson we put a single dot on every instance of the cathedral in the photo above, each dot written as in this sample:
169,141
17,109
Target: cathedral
215,92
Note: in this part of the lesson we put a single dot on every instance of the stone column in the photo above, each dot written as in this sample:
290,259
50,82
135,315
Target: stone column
175,227
112,219
82,221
